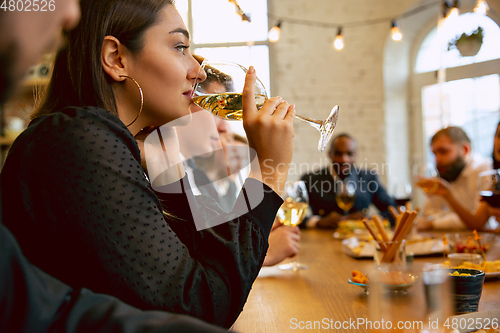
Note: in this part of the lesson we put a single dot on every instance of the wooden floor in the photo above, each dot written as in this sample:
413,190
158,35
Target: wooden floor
285,301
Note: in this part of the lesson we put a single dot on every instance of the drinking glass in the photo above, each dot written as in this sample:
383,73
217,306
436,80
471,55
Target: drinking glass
345,195
402,194
489,187
292,212
227,103
422,172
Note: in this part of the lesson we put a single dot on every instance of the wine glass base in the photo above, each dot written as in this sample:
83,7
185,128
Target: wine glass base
293,266
327,128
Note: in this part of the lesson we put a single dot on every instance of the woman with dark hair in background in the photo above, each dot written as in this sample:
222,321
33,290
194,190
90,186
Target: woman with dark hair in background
74,177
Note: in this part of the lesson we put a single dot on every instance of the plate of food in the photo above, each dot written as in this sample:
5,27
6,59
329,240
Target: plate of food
393,280
464,242
356,228
491,269
417,245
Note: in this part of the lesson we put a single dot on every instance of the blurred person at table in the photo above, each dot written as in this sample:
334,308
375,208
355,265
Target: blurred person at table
457,182
216,168
80,203
31,300
322,188
462,199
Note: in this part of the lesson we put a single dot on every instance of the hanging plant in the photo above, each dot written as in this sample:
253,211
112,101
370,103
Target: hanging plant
468,44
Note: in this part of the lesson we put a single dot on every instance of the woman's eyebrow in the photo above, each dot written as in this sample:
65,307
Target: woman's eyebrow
180,30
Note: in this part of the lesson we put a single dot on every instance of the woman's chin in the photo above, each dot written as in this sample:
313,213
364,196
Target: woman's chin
182,121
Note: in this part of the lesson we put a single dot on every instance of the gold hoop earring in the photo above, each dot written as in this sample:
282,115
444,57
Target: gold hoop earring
142,98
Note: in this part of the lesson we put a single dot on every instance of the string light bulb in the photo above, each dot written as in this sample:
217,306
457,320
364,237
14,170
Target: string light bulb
338,43
274,34
395,31
481,7
450,12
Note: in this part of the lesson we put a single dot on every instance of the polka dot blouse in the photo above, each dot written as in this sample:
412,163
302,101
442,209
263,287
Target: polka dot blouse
76,198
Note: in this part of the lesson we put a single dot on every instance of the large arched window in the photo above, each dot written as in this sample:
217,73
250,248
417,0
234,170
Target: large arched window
468,93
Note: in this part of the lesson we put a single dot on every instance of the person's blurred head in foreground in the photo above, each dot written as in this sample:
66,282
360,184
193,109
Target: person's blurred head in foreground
451,146
26,36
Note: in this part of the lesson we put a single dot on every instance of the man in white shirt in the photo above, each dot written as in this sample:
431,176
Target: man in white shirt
460,168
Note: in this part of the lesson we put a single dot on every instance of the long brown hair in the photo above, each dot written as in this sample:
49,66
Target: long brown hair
78,78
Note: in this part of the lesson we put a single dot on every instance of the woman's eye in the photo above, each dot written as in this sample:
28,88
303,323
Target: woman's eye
182,48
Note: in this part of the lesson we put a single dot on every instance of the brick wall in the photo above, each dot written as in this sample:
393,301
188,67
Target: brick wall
310,73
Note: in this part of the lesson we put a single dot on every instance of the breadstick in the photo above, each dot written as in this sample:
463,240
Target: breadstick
374,234
380,228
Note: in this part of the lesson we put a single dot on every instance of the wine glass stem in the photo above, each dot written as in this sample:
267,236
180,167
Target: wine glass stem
294,264
314,123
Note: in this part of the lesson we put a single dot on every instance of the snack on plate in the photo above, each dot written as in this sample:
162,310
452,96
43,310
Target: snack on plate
349,228
396,278
352,225
466,242
456,273
359,277
393,278
485,266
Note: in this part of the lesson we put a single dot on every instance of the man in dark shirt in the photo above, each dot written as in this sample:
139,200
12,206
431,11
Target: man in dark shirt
30,300
323,186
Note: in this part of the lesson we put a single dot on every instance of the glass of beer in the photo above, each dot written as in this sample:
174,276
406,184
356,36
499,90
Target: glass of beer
292,212
424,175
228,102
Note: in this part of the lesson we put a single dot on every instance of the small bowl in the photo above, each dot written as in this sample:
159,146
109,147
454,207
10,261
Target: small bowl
457,259
466,290
459,242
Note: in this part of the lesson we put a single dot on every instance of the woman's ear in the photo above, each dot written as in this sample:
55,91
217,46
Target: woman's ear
112,58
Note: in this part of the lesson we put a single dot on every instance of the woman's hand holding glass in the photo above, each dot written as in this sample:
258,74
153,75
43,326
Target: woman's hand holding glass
228,102
270,133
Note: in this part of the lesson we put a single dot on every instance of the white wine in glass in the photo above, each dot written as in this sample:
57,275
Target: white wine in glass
345,195
292,212
227,103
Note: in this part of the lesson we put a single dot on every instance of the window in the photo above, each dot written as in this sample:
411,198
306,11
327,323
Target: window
469,97
217,32
471,104
434,48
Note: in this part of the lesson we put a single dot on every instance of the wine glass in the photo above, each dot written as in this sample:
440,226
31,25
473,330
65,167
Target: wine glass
489,187
227,103
402,194
345,195
421,173
292,212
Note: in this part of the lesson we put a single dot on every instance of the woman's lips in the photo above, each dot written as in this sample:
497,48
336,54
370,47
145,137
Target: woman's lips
189,94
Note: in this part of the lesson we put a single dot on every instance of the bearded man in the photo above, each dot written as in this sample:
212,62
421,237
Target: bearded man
458,168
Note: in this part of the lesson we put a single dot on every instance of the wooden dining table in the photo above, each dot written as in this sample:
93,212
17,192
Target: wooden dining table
288,301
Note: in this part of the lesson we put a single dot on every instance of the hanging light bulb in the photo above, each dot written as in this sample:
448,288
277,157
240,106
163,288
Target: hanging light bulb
451,12
481,7
338,43
274,33
395,32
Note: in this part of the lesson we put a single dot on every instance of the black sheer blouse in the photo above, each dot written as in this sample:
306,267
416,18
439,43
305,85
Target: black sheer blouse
76,198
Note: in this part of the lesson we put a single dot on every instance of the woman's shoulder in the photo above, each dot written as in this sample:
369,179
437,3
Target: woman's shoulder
89,116
78,128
